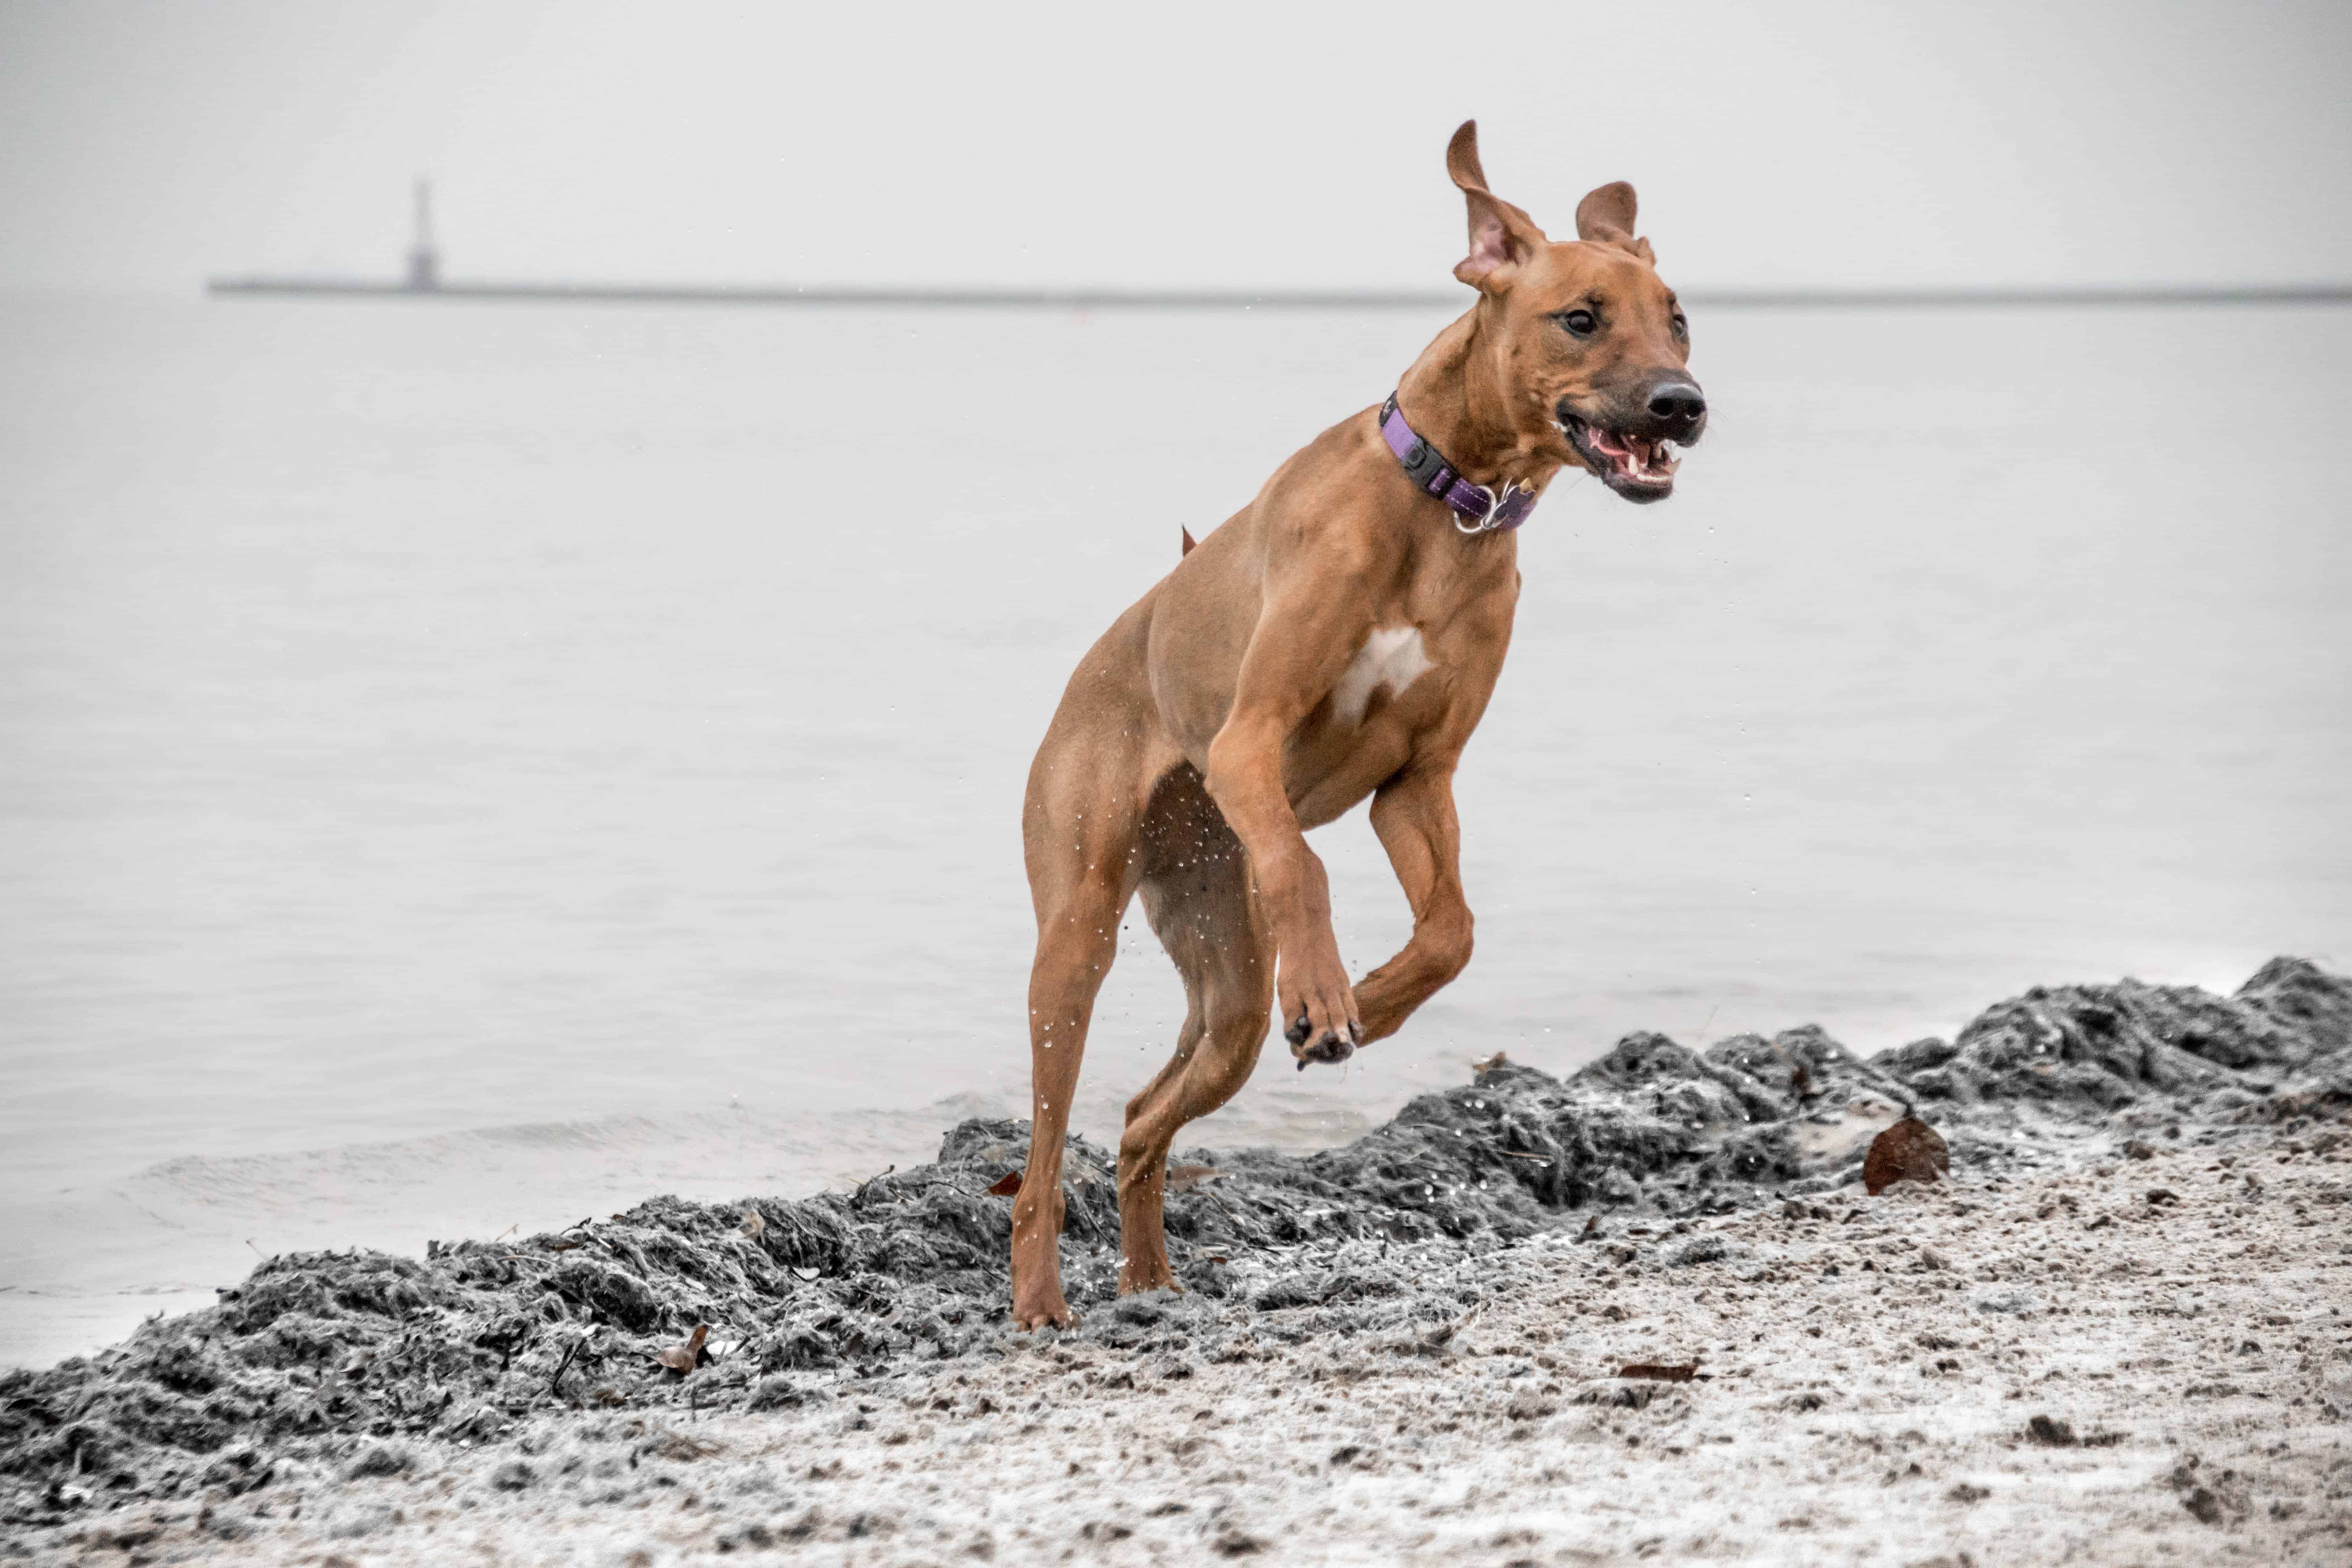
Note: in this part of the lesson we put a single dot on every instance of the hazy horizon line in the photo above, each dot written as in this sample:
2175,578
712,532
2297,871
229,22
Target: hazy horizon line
1019,296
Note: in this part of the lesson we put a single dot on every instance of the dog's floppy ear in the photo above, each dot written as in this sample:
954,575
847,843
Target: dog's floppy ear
1605,216
1501,236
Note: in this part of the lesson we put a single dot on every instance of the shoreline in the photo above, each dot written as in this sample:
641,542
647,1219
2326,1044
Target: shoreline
1404,1349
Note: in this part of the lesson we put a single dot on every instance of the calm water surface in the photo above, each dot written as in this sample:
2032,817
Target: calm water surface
461,764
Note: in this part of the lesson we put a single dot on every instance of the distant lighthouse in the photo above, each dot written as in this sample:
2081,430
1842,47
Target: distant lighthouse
423,261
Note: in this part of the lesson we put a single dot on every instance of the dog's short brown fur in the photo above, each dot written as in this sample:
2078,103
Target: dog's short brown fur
1338,637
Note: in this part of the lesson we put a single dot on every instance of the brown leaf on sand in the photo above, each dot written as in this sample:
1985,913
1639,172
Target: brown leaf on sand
1657,1373
755,1223
1482,1066
1005,1185
558,1243
1910,1151
682,1359
1186,1178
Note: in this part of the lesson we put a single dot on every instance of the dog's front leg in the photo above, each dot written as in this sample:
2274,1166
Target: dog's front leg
1293,895
1294,658
1414,814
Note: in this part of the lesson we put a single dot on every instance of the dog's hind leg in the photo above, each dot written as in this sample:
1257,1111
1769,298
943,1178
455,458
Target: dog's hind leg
1079,824
1196,891
1077,939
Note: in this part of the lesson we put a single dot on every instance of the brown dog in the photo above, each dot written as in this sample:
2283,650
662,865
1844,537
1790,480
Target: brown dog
1337,638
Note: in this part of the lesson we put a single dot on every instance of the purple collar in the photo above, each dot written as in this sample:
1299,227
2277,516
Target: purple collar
1477,509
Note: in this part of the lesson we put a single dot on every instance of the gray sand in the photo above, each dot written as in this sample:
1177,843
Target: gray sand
2121,1331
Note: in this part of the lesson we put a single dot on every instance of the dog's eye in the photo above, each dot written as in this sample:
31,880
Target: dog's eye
1583,324
1682,326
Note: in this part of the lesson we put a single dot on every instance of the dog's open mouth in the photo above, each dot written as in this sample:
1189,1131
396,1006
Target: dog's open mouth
1639,468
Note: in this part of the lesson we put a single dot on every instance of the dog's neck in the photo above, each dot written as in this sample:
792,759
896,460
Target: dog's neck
1455,398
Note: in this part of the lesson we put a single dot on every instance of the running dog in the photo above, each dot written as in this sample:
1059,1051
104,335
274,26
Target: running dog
1338,637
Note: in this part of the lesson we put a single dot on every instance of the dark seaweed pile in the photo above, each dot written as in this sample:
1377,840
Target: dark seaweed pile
317,1352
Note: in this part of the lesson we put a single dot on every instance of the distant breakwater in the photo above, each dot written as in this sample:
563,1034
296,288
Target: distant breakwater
1075,299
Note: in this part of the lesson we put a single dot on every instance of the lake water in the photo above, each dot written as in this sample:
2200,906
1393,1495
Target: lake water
465,767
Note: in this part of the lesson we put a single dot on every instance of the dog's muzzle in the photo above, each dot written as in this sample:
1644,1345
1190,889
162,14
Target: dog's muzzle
1634,453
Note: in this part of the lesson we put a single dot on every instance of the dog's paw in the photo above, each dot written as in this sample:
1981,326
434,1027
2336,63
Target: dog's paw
1152,1274
1330,1046
1052,1314
1319,1006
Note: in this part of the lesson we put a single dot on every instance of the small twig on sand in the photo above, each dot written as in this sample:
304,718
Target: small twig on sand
1443,1334
555,1384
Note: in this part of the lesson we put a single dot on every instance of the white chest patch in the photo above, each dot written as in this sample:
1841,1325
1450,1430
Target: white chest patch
1393,656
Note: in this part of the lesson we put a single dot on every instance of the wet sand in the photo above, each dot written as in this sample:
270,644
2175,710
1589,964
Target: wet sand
2119,1332
1870,1382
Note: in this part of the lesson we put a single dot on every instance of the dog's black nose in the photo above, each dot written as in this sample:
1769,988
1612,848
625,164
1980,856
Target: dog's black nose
1678,401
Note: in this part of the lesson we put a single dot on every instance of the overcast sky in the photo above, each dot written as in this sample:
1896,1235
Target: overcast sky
151,145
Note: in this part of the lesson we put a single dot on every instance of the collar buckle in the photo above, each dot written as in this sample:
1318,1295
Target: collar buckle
1487,522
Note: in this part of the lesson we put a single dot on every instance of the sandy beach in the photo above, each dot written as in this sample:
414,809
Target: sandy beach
2121,1334
2051,1370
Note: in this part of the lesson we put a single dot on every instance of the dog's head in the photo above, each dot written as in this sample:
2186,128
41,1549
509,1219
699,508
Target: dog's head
1591,349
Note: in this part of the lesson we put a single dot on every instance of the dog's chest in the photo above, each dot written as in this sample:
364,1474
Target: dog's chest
1393,657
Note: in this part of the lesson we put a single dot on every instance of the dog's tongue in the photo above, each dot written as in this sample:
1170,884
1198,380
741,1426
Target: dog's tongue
1644,459
1624,451
1632,457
